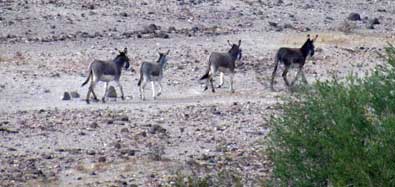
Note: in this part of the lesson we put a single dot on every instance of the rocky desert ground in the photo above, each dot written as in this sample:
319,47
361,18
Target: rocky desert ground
46,46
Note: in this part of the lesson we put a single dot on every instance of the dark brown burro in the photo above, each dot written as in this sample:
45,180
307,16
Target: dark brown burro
293,57
106,71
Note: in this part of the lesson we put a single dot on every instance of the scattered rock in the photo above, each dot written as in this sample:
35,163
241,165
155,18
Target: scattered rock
370,26
66,96
129,152
354,17
172,29
151,28
102,159
117,145
111,92
162,34
94,125
273,24
75,94
124,130
156,129
90,152
124,14
374,21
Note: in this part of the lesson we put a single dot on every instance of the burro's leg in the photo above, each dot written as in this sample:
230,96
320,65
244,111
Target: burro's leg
211,77
160,88
303,77
297,76
232,90
284,75
120,88
142,86
105,93
221,80
153,89
91,90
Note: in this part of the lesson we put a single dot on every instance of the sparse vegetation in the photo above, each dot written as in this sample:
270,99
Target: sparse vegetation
224,178
338,133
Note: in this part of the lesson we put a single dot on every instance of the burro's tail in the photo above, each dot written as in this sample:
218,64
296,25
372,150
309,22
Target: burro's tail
89,75
206,75
141,75
276,62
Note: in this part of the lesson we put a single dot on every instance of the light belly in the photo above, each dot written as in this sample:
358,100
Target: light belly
155,78
107,78
224,70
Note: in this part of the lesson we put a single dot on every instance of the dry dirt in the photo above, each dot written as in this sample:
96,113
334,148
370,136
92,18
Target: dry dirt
46,46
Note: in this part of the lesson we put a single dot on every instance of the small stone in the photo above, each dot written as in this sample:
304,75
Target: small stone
124,14
111,92
117,145
151,28
370,26
374,21
273,24
162,34
94,125
157,128
172,29
66,96
354,17
124,118
75,94
91,152
124,130
102,159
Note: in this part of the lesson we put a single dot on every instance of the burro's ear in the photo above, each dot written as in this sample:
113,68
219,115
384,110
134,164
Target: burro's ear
119,51
308,36
239,43
168,51
229,43
125,50
315,38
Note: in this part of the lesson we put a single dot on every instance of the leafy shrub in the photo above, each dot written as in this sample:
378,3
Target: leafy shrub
338,133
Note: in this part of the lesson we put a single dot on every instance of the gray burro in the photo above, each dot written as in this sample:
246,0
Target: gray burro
106,71
223,63
152,72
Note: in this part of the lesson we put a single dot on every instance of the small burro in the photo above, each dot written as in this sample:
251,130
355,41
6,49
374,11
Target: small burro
223,63
106,71
152,72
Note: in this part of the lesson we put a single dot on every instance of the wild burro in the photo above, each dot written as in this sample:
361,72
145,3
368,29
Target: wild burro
106,71
295,57
224,63
152,72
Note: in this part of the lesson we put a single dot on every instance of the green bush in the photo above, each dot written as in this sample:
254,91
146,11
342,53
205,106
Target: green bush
338,133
